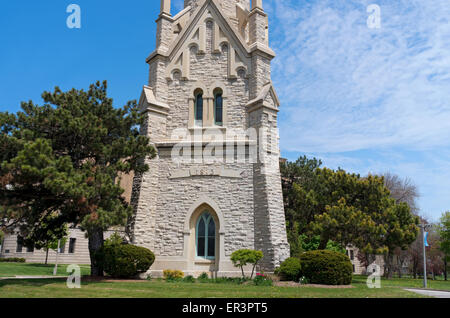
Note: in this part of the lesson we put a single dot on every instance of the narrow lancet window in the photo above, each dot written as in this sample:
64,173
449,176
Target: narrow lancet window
198,111
206,237
218,107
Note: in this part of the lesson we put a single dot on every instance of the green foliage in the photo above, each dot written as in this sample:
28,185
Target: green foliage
189,279
444,233
299,182
47,235
123,260
2,236
65,157
114,239
262,280
290,269
344,208
312,244
171,275
243,257
12,260
326,267
204,277
229,280
53,245
303,280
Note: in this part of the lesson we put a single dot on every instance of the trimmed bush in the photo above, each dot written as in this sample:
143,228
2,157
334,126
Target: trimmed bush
289,270
124,260
203,278
173,274
326,267
241,258
12,260
189,279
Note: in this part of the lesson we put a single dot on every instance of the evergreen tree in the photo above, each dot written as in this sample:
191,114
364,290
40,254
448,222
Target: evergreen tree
444,232
64,158
344,208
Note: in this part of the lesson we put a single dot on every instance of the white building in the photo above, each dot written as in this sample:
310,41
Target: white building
210,76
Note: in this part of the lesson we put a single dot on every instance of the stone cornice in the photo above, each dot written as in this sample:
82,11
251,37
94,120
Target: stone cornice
148,102
262,48
186,143
257,10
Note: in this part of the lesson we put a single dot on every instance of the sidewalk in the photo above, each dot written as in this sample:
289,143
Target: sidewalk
431,293
32,277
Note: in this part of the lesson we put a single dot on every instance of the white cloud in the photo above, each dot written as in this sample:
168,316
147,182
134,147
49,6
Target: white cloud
346,87
363,99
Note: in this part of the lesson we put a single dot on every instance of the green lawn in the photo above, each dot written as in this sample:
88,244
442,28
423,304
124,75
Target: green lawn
56,288
29,269
408,283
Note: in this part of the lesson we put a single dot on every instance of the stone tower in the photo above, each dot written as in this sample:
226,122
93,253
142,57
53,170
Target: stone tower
211,113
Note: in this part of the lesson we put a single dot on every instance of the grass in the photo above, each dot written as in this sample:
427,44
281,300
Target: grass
54,288
157,288
408,283
30,269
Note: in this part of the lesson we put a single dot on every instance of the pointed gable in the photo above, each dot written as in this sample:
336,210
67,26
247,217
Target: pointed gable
148,101
267,97
194,35
219,17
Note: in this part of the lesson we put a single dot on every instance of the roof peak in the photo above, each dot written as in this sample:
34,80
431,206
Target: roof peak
229,6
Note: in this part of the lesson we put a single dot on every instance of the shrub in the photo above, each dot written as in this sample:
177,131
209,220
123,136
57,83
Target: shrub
12,260
170,274
303,280
241,258
189,279
289,269
124,260
262,280
229,280
326,267
204,277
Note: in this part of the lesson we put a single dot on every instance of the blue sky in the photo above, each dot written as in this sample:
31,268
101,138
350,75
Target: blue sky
366,100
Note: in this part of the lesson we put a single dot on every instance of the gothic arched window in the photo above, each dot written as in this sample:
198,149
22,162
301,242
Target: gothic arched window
218,107
198,108
206,236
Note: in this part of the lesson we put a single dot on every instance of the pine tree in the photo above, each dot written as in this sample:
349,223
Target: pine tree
345,208
444,232
64,158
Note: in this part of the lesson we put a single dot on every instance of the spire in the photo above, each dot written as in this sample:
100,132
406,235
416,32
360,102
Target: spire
225,3
257,4
165,7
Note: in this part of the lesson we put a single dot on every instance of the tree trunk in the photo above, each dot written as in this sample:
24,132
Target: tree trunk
323,242
388,266
46,256
445,267
95,244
